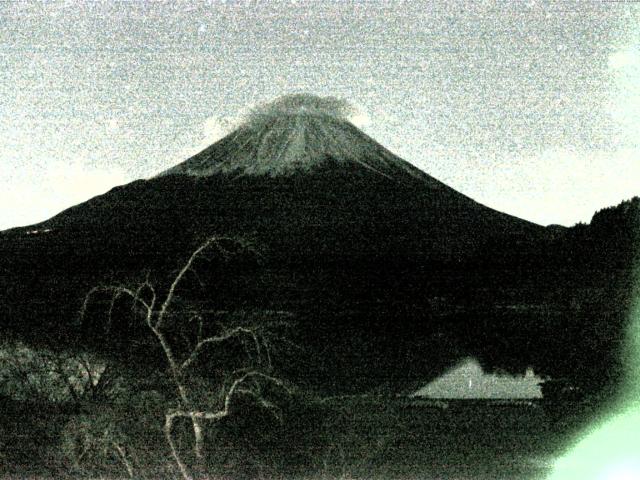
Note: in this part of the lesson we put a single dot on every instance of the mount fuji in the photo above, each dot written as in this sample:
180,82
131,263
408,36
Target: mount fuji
388,274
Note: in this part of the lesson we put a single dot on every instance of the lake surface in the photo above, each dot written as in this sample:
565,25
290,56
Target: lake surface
374,439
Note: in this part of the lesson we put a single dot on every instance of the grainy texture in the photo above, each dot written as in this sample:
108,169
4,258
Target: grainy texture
528,107
319,338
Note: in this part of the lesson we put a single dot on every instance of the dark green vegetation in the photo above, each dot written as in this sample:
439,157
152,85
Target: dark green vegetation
366,437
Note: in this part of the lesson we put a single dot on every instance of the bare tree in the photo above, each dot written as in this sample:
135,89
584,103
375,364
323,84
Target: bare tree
155,308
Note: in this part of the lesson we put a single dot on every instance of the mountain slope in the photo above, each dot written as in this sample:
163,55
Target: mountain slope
304,183
382,267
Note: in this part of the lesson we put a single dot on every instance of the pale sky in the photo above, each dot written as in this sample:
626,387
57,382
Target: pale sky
532,107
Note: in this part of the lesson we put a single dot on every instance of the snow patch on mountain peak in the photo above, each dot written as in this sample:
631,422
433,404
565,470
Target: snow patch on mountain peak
305,104
296,133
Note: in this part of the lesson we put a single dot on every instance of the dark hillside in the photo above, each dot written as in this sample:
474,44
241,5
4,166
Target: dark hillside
388,274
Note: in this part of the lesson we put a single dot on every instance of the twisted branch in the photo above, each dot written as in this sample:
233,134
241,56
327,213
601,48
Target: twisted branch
155,319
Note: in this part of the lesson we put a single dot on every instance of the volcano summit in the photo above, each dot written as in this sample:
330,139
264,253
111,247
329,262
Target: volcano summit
297,133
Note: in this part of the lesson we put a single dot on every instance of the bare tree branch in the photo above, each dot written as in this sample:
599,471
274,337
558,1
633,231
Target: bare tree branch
121,453
248,382
116,291
233,390
187,266
218,339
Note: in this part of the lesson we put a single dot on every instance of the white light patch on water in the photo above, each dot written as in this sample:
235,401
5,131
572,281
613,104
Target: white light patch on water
469,381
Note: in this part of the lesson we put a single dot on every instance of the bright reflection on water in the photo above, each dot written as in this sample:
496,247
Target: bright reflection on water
610,450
